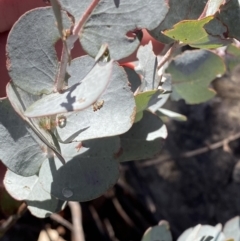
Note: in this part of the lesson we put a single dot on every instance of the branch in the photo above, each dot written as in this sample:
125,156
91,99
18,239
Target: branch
59,83
77,232
78,27
56,217
196,152
13,218
110,230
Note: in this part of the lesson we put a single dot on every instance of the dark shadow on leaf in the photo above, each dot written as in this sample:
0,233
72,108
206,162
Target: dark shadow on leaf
52,205
12,121
156,97
72,137
133,78
134,142
87,175
70,99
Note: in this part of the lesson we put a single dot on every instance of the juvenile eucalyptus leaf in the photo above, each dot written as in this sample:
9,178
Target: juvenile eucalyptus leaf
231,229
112,20
75,7
20,100
19,187
193,32
147,67
40,203
142,102
32,59
112,114
91,169
178,11
200,232
230,16
144,140
217,29
58,15
154,99
158,101
133,78
20,149
212,7
232,57
192,72
77,97
158,233
161,112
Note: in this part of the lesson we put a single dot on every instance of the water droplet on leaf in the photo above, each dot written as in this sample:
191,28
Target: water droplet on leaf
67,192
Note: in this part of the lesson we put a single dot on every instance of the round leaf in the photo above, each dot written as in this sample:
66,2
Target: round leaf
111,115
20,100
40,203
91,170
229,16
178,11
144,140
192,32
76,97
232,229
32,59
21,150
112,20
19,187
192,72
158,233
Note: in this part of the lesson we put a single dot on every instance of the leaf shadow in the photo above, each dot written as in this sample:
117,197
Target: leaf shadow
70,99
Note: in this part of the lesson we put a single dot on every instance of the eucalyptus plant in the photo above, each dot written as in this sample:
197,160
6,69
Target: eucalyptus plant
66,124
230,231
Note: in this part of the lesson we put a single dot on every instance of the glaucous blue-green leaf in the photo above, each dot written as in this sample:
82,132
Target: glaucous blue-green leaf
32,59
133,78
212,7
20,148
160,232
216,28
192,72
178,11
77,97
153,99
203,232
40,203
19,187
142,100
232,57
112,20
165,90
192,32
91,169
20,100
147,64
231,229
229,16
58,15
112,114
144,140
161,112
75,7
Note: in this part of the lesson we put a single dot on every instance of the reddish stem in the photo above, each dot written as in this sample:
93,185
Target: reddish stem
59,83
